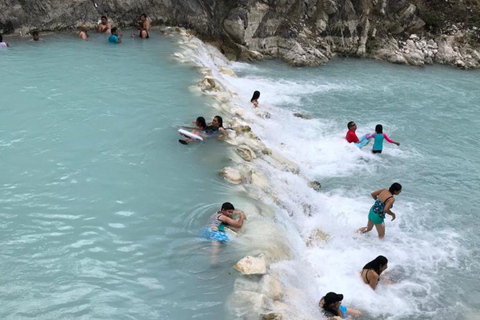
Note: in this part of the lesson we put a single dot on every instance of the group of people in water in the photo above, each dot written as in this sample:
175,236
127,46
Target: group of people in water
331,303
201,129
104,26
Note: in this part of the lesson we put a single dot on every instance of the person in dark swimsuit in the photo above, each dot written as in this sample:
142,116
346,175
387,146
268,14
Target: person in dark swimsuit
371,271
216,127
384,199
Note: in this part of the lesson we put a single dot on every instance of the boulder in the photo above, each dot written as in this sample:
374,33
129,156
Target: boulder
232,175
271,316
302,116
252,265
257,178
210,81
272,288
315,185
317,237
245,153
228,72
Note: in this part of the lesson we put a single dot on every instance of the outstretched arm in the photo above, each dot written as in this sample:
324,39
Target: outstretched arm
390,140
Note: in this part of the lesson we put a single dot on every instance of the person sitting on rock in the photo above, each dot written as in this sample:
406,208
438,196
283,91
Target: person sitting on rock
351,135
104,26
83,33
145,23
3,45
331,304
116,37
215,229
255,97
199,130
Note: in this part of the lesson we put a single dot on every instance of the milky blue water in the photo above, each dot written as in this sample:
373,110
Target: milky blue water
101,207
432,246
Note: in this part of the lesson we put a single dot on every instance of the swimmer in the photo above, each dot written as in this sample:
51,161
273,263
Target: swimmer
372,270
378,137
35,36
216,127
255,97
351,135
145,23
215,229
104,26
116,36
384,200
83,33
199,130
3,45
331,304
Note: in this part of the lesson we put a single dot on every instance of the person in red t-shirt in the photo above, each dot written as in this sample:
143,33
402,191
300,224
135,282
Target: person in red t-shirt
351,135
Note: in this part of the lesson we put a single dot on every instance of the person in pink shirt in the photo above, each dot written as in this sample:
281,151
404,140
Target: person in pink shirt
351,135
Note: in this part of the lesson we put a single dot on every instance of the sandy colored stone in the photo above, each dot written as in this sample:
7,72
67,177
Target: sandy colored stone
302,116
272,288
245,153
252,265
317,237
228,72
232,175
271,316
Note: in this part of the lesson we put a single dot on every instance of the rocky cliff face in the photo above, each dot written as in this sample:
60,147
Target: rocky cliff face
301,32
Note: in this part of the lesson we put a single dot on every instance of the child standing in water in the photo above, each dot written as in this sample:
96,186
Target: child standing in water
378,138
254,100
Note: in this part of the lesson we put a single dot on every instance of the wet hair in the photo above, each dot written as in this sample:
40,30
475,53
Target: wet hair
350,124
114,29
35,33
395,187
201,122
143,15
328,299
256,95
379,128
228,206
1,38
220,121
376,264
103,17
83,28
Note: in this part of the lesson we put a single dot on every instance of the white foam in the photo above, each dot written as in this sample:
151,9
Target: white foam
415,253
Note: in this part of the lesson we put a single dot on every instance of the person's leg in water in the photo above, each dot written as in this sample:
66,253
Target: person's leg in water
214,253
381,230
368,228
185,141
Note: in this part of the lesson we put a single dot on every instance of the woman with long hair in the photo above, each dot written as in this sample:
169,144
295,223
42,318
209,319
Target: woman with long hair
384,199
371,271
